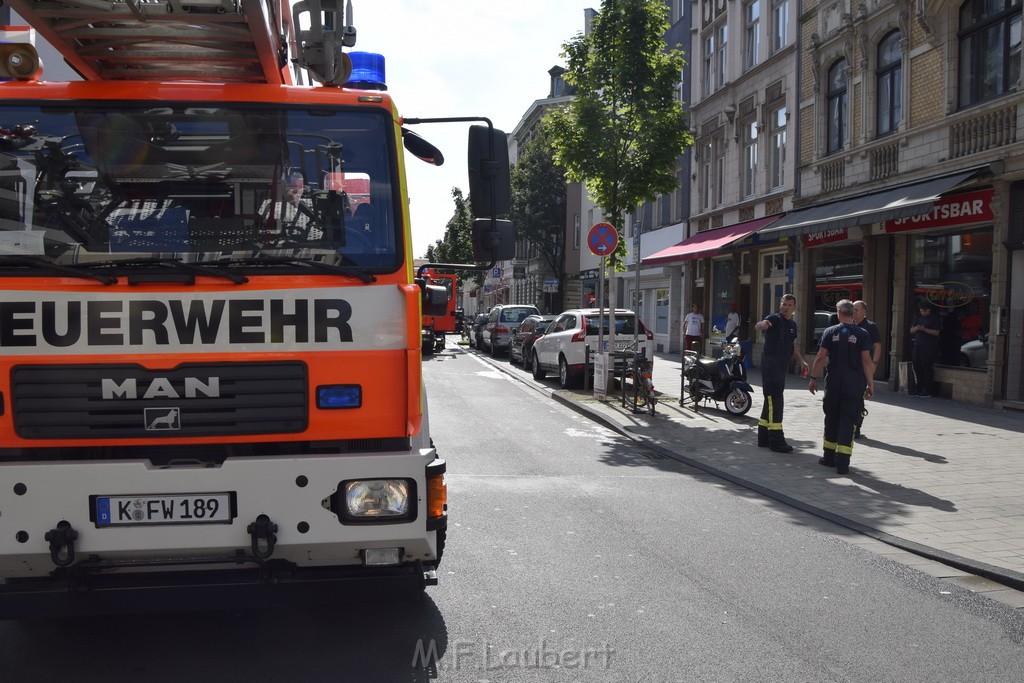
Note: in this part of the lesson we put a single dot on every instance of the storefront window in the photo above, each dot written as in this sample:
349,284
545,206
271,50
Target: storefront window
721,296
661,312
838,273
954,273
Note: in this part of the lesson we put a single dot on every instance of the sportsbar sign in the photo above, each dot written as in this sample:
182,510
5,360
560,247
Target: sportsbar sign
959,209
297,320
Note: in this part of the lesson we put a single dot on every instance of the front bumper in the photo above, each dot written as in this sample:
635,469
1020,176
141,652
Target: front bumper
269,585
292,494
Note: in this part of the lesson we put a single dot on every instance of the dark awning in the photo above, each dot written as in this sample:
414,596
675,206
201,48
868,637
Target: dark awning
707,242
899,202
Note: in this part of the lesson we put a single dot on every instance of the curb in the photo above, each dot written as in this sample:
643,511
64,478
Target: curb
1006,577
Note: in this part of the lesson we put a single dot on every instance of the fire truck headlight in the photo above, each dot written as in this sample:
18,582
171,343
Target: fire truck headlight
377,500
339,396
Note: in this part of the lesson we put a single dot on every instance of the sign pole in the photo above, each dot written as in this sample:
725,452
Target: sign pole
600,304
636,260
602,240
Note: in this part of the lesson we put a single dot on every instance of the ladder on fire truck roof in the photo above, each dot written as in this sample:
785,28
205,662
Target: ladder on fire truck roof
227,41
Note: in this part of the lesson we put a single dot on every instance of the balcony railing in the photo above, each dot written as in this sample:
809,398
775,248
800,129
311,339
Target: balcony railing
885,161
833,175
988,130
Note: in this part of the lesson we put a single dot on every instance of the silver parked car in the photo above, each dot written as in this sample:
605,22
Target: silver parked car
501,320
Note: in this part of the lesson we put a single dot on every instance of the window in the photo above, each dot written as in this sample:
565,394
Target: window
576,231
705,181
837,272
752,35
719,169
952,271
709,65
677,10
836,116
661,311
722,66
780,23
680,203
890,84
989,49
748,186
777,155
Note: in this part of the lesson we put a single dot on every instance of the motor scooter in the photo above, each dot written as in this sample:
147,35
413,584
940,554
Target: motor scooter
722,380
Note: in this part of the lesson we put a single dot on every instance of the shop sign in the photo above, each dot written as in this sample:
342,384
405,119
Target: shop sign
820,237
591,274
957,209
949,294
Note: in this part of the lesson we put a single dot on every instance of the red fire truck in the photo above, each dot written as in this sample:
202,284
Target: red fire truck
210,370
435,327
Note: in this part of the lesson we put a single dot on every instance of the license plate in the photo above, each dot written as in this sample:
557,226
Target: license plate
179,508
622,346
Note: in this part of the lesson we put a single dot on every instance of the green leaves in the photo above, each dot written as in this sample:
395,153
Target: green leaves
625,130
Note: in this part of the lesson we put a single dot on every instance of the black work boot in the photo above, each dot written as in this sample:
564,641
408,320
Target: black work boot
842,464
828,460
778,443
762,437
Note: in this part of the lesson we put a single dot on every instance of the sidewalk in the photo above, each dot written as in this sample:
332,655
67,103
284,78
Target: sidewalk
939,479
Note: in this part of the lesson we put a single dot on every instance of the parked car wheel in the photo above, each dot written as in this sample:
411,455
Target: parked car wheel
565,376
965,362
538,371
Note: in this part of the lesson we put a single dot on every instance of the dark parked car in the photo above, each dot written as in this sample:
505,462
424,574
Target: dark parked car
476,332
524,336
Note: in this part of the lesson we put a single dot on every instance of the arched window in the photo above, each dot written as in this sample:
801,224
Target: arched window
890,84
836,97
989,49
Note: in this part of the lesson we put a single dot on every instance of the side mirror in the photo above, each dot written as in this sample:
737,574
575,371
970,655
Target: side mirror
493,240
435,298
490,192
420,148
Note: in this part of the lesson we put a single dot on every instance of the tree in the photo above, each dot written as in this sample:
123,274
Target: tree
625,129
538,203
457,244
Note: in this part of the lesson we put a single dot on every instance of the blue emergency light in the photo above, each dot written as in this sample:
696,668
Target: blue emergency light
367,71
339,396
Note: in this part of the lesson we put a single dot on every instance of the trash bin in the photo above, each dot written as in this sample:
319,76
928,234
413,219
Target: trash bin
747,348
905,376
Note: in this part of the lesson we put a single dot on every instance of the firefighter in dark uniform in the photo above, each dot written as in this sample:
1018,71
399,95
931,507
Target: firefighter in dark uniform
779,346
849,380
860,317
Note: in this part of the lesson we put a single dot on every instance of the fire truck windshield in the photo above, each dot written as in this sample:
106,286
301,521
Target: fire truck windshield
94,181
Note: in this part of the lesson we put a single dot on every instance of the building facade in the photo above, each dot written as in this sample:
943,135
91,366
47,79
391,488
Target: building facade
909,180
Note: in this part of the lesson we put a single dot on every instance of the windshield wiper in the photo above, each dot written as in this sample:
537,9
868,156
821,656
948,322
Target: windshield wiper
349,270
178,264
74,271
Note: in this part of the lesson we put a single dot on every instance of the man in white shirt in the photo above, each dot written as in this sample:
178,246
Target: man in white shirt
693,326
732,321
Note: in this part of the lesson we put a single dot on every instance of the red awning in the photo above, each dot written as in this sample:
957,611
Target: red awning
707,242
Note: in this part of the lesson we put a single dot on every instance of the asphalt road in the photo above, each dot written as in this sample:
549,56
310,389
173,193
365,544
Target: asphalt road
576,555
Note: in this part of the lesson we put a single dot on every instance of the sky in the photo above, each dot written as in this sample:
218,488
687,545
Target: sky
462,58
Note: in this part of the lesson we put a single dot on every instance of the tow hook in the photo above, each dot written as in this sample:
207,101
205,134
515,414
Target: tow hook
263,533
62,544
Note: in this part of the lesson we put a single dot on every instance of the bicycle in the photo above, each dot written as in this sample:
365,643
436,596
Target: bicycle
637,372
